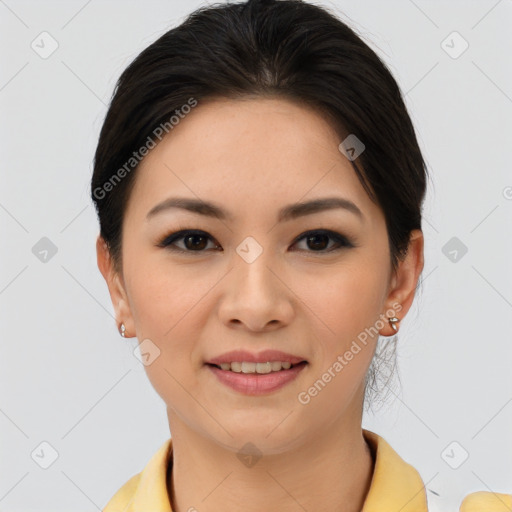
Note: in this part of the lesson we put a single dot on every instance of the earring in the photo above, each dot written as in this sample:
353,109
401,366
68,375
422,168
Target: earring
392,322
123,331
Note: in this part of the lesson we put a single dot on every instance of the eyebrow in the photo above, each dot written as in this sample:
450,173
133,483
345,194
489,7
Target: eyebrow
290,212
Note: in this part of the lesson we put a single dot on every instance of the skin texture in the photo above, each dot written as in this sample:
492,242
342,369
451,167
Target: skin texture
252,157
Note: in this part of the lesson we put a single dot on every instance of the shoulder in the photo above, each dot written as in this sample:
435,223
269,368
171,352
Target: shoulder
483,501
123,497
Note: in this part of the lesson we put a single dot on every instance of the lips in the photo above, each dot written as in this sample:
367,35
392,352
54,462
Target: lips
241,356
256,384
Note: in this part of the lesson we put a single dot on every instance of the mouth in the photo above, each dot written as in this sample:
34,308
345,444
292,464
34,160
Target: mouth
256,379
248,367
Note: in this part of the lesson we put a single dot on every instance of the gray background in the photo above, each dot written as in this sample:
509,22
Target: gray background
66,376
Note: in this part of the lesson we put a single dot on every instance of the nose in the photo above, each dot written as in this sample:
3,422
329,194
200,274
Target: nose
256,295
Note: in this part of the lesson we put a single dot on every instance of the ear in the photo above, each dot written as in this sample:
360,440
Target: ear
115,285
404,281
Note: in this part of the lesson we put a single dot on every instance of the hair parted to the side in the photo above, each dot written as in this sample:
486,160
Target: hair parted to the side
286,49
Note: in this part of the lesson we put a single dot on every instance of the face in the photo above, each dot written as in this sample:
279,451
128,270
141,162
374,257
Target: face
258,275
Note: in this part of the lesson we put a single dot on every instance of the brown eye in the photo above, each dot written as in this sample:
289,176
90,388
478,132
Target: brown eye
318,241
193,241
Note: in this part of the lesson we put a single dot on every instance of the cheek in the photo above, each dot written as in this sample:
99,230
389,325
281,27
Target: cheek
346,300
164,309
168,303
160,294
345,307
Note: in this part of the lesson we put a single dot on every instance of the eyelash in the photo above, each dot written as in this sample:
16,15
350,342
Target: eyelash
168,240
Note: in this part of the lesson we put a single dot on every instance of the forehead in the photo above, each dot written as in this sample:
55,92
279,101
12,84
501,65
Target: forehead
257,150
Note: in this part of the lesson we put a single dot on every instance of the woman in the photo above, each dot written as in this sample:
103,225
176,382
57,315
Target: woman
259,188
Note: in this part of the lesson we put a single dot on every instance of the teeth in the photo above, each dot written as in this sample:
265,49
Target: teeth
236,367
246,367
276,366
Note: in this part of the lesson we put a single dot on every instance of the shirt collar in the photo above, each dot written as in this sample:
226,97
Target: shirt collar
396,485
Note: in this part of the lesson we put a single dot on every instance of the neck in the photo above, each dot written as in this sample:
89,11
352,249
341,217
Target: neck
332,471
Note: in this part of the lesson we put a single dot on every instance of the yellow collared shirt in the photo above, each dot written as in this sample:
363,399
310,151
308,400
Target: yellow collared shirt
395,486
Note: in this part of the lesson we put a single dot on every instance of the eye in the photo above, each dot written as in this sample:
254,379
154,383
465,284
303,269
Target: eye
194,240
318,240
197,240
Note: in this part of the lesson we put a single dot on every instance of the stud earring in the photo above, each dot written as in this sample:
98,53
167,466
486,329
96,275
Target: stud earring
392,322
123,331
